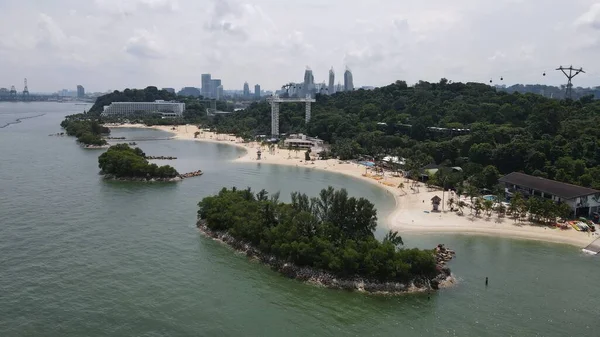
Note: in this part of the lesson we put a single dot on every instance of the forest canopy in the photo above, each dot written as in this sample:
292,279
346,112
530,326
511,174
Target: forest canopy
331,232
123,161
469,125
88,132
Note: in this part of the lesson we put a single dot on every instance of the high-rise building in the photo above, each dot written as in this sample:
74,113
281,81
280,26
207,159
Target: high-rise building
331,88
322,89
219,93
348,80
246,90
80,91
214,84
257,91
309,82
206,84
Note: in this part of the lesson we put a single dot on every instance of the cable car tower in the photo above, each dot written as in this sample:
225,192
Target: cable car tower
569,76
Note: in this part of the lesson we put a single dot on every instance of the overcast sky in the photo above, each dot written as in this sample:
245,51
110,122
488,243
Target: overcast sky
114,44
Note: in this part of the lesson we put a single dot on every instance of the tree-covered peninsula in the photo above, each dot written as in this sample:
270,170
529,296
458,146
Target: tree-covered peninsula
122,162
485,131
88,131
328,239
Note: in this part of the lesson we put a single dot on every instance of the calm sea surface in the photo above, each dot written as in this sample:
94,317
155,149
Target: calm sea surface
83,257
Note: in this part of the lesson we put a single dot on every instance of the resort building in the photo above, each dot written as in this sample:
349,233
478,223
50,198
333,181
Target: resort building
303,142
166,109
582,200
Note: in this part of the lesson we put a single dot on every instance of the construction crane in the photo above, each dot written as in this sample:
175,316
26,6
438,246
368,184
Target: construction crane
25,89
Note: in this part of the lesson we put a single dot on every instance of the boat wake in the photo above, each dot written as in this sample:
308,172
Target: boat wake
18,120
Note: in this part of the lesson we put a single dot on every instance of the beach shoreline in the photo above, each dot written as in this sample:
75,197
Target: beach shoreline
412,213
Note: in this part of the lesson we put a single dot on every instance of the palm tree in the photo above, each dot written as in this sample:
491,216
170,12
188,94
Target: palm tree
488,206
500,209
515,205
461,205
477,206
401,187
450,203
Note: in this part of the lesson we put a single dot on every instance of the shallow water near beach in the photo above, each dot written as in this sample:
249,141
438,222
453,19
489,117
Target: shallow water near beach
80,256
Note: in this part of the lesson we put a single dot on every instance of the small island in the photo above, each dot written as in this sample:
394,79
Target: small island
89,132
328,240
121,162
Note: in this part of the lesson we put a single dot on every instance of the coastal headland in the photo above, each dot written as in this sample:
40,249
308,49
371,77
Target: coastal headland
326,279
413,212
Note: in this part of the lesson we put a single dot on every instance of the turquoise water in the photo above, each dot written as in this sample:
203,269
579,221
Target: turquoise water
85,257
490,197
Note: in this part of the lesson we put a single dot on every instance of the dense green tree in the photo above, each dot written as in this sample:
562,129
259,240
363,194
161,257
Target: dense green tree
123,161
87,129
333,232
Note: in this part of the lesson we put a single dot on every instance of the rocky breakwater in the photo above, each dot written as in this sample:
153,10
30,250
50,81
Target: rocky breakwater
160,158
191,174
329,280
114,138
153,179
142,179
444,277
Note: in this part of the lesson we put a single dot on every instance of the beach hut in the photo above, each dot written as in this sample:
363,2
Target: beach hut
435,203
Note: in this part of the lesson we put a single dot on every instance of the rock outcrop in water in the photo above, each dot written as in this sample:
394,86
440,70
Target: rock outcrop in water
142,179
323,278
154,179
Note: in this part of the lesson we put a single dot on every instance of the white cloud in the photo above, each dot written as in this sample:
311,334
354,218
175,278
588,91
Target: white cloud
144,44
133,7
134,43
591,18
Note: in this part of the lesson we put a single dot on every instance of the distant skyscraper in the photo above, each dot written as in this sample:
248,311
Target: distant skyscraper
214,84
206,84
309,82
80,91
331,88
257,91
219,93
246,90
348,80
323,89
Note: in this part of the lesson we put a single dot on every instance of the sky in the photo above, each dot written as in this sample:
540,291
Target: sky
116,44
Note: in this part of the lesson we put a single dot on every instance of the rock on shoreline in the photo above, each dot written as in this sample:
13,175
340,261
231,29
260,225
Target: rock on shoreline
144,179
323,278
141,179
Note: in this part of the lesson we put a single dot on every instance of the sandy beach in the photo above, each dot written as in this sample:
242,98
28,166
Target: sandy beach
413,212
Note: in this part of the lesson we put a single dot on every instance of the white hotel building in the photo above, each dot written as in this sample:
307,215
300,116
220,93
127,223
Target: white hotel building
166,109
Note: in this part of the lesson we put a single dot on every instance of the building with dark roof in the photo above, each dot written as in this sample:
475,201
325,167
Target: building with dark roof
583,201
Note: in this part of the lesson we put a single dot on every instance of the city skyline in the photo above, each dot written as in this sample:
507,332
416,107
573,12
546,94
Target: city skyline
135,43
